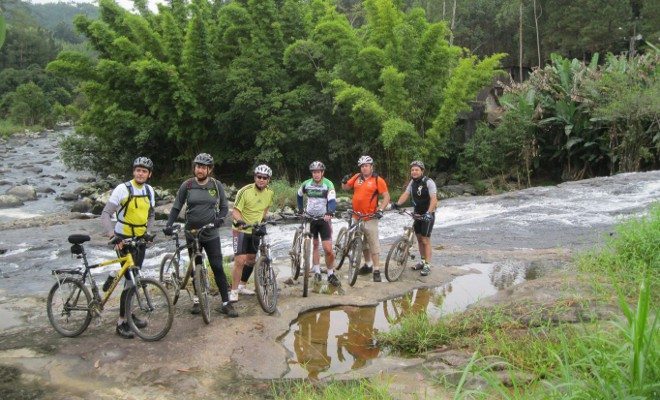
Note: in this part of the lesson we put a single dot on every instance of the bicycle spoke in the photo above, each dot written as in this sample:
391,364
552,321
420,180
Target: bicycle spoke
68,307
150,310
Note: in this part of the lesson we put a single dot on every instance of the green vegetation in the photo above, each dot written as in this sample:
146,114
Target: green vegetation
593,359
358,390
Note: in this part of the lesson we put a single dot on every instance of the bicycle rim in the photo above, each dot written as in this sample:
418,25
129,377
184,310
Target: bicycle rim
68,307
295,254
340,246
169,276
266,285
354,258
307,244
396,261
202,286
149,303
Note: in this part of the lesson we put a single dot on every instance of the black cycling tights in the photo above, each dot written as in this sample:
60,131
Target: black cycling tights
214,253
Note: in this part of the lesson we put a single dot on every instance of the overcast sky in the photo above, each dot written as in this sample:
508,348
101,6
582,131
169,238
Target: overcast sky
127,4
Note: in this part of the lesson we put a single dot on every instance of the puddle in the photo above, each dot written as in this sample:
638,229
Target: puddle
340,339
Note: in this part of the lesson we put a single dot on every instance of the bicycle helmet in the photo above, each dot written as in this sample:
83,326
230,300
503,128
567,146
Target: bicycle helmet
204,159
263,169
365,160
144,162
317,166
417,163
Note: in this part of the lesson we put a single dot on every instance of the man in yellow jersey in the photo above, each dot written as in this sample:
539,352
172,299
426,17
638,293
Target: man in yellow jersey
250,207
133,204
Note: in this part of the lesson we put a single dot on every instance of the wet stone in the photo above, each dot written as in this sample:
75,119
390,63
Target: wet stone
23,192
9,201
83,205
68,196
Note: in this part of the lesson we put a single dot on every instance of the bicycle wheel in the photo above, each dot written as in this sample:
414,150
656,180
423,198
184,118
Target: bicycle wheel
307,255
265,285
340,247
68,307
354,258
396,261
170,275
295,252
201,281
149,303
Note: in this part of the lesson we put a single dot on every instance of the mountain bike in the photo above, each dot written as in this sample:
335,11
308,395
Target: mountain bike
71,306
349,243
265,281
397,257
170,270
301,250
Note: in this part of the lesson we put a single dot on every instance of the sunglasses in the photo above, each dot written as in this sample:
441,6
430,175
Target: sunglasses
262,177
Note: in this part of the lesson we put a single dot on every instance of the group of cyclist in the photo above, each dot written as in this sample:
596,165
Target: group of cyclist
205,203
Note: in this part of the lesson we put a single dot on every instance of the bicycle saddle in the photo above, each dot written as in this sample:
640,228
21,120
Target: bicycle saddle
79,238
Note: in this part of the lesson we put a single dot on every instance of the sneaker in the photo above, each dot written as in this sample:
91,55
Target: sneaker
139,323
195,309
228,310
426,269
124,331
233,296
365,269
333,280
417,266
377,276
318,278
243,290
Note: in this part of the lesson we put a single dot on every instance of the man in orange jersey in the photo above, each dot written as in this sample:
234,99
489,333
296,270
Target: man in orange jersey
367,187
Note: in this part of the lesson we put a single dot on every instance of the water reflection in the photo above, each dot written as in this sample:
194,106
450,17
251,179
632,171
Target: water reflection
341,339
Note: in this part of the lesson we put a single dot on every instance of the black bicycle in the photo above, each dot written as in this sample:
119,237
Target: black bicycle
301,250
265,280
170,270
349,243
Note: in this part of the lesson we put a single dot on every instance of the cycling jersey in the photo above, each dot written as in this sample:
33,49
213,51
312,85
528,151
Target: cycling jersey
420,191
321,197
136,203
366,191
252,203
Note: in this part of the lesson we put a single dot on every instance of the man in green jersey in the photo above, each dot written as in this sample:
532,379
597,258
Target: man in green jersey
321,203
250,207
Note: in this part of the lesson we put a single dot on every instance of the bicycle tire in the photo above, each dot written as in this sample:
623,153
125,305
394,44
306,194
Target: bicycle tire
70,311
170,275
396,261
149,301
296,249
201,280
354,258
340,247
265,285
307,244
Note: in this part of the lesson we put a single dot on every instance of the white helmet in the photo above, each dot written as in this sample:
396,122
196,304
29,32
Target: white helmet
365,160
317,166
263,169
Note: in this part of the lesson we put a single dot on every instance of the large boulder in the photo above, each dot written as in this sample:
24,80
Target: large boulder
68,196
456,190
23,192
83,205
9,201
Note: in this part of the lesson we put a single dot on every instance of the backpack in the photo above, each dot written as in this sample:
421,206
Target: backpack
189,186
131,196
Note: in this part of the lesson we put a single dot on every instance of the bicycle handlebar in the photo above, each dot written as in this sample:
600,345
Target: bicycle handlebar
411,214
131,241
360,215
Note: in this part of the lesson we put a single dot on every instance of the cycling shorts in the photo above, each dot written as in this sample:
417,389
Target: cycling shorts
424,228
244,243
321,228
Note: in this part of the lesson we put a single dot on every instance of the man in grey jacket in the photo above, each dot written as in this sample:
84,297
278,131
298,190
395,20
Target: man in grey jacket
206,203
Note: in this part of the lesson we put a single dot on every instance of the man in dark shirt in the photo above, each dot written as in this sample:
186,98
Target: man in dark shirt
206,203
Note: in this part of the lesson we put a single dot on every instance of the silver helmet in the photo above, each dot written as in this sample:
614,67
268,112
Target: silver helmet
144,162
365,160
263,169
317,166
204,159
417,163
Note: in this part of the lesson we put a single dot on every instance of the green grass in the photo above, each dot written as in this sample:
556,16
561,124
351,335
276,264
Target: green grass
285,194
336,390
8,128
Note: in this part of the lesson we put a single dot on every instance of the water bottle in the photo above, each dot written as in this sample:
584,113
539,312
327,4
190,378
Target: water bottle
108,281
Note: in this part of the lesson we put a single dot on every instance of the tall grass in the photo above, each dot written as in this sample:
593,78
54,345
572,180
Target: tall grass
285,194
336,390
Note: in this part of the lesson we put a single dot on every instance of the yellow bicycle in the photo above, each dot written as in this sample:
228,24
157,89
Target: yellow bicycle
71,306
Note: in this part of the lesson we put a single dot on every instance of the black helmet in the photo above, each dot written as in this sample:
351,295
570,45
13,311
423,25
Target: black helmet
417,163
144,162
204,159
317,166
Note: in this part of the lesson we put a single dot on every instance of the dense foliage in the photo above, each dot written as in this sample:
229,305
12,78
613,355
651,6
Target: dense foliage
261,80
572,120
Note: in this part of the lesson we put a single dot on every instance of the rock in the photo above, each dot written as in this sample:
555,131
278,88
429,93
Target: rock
68,196
9,200
97,208
85,190
36,170
163,212
457,190
86,179
4,182
83,205
58,176
103,197
45,189
23,192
